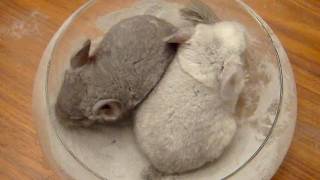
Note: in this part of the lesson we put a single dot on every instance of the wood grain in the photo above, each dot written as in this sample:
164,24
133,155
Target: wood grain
26,27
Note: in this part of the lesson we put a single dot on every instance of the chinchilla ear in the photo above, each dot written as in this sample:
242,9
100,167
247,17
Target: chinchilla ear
232,80
181,36
198,12
82,56
109,110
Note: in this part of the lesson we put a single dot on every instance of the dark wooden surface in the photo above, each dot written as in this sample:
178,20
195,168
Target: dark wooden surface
26,27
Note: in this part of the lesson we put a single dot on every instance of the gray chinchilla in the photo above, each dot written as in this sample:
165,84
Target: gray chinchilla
107,85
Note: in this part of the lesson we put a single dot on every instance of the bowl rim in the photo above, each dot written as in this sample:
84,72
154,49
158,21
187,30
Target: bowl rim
245,7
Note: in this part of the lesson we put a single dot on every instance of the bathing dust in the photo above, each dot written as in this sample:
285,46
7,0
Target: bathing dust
113,153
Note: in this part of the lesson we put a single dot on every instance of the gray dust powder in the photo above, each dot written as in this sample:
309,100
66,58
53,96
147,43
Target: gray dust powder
113,152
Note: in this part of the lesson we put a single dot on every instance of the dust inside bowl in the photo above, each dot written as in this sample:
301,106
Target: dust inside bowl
111,152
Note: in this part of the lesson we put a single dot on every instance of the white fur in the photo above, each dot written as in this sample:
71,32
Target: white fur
185,122
210,48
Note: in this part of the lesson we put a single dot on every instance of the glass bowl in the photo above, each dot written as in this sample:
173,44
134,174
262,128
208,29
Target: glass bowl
111,153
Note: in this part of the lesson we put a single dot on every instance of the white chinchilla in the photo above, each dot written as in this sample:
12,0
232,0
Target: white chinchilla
188,119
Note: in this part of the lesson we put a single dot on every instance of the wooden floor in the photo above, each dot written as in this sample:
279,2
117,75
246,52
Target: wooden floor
26,27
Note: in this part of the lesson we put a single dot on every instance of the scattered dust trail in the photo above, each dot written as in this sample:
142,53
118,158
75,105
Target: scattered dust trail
27,27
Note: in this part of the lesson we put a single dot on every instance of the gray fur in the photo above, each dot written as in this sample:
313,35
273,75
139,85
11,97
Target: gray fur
198,12
126,66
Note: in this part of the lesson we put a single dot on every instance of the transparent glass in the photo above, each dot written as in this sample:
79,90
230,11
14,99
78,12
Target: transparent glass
95,150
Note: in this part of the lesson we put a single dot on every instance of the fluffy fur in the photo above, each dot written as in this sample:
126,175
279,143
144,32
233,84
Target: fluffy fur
126,66
198,12
187,120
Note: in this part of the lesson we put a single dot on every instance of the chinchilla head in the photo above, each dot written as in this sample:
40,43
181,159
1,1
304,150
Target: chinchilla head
81,99
212,52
